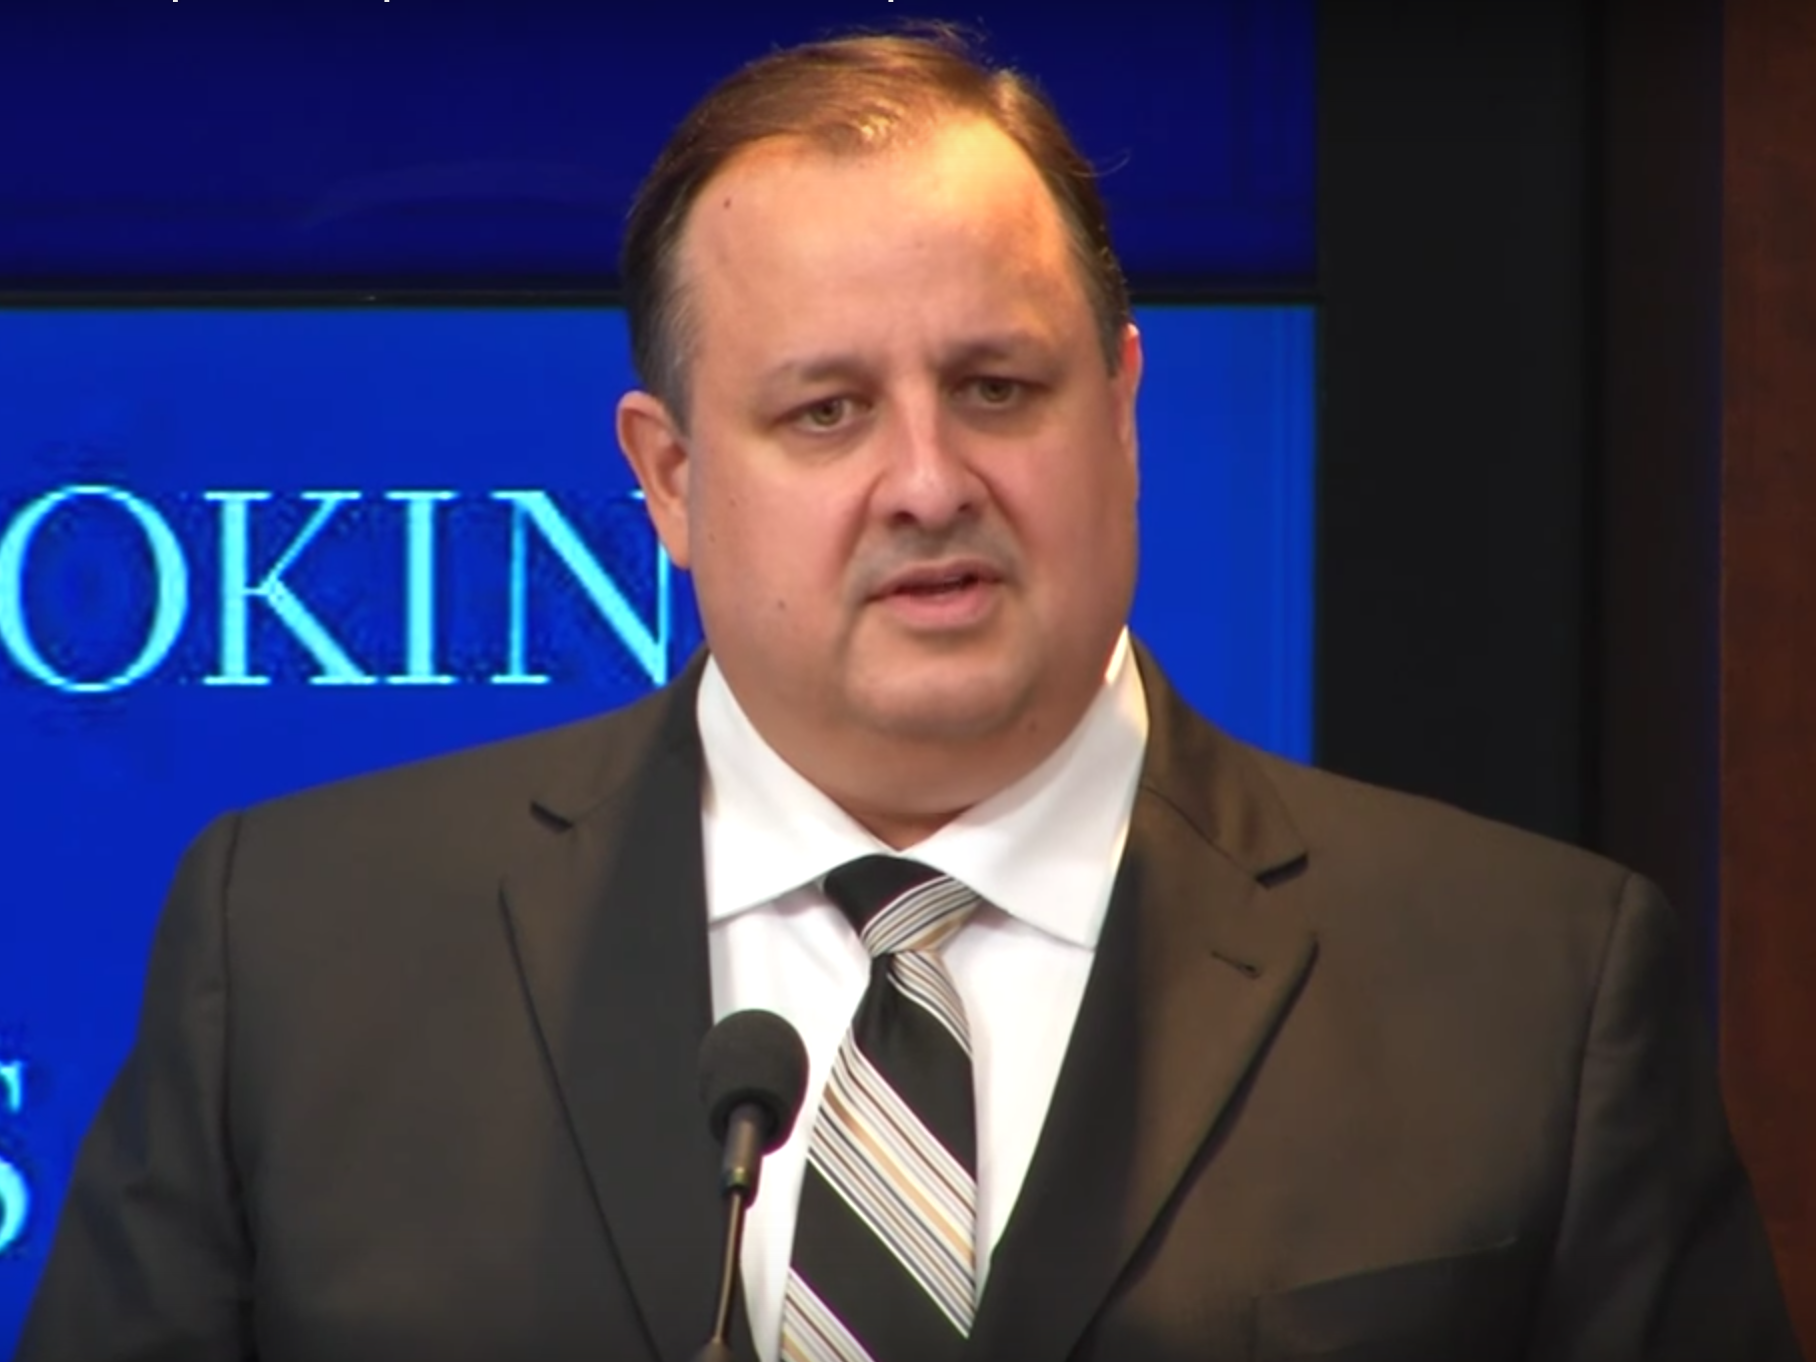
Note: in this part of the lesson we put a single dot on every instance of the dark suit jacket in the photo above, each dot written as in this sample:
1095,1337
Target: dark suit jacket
1356,1076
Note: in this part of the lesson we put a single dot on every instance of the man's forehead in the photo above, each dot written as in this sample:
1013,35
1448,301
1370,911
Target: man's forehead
793,232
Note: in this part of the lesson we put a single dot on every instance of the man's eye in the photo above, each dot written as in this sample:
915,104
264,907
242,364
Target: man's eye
829,414
996,392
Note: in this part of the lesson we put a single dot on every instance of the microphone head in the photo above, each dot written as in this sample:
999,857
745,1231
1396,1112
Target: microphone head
753,1056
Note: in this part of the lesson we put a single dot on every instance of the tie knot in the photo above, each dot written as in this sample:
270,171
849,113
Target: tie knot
898,905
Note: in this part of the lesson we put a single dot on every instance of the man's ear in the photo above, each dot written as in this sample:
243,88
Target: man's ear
1128,386
658,455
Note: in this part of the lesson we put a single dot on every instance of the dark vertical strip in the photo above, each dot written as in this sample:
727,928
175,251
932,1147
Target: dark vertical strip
1455,426
1659,508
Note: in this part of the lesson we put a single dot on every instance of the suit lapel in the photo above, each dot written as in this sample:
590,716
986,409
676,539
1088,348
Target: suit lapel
608,920
1195,969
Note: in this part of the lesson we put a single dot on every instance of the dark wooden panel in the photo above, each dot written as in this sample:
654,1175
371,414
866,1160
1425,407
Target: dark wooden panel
1768,619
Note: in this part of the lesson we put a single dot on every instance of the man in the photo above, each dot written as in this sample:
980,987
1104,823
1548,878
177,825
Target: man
1252,1062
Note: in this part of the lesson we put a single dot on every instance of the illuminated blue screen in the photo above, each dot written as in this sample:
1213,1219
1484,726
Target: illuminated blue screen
398,143
246,550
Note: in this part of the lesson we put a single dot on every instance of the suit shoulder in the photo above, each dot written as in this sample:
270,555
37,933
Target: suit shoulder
1420,900
565,769
1413,839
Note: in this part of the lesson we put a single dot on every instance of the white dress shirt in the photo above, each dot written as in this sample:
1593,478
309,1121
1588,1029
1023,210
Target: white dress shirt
1042,853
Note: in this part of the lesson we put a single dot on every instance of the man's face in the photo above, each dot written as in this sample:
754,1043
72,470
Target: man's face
907,488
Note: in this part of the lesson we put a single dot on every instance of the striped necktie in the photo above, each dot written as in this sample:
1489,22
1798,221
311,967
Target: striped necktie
883,1267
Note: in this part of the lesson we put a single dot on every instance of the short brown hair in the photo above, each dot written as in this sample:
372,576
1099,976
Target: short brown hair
843,93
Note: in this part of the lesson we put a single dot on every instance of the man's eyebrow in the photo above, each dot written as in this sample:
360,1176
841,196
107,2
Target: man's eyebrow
802,370
1006,345
999,347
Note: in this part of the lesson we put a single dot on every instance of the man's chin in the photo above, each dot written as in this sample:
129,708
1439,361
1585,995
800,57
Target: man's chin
950,710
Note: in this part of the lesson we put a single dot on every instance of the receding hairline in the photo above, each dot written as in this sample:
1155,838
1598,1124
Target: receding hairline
901,143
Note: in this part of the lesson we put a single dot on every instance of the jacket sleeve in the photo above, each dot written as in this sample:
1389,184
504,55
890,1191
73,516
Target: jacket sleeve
151,1259
1661,1255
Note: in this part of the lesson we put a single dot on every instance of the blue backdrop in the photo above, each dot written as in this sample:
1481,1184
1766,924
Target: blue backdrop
246,550
243,549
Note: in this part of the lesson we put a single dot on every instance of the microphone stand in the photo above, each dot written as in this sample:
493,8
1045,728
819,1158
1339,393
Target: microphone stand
744,1137
718,1347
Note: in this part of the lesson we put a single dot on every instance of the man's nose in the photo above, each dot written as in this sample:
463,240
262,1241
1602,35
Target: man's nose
927,476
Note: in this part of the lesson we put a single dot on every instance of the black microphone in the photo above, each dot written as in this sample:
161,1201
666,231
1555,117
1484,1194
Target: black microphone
753,1073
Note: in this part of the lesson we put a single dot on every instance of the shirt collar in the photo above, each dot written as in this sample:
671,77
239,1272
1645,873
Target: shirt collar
1044,850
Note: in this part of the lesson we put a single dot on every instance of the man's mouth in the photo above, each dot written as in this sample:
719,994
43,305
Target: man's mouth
953,593
939,586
